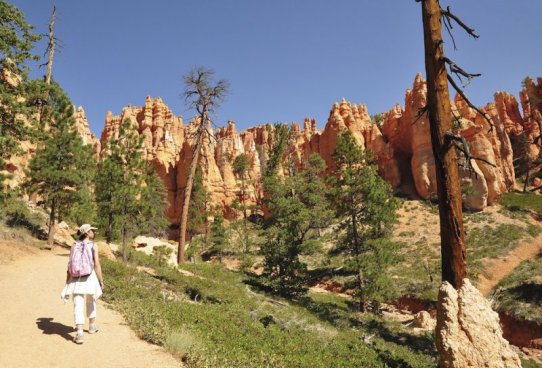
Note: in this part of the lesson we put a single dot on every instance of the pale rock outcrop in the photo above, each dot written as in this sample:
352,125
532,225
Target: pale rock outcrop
468,333
147,245
105,250
424,320
62,235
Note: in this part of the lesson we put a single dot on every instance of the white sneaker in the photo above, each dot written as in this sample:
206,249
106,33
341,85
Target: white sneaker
78,339
93,328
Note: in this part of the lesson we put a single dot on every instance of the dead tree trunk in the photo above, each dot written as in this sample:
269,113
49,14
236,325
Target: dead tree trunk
188,189
453,250
203,96
51,47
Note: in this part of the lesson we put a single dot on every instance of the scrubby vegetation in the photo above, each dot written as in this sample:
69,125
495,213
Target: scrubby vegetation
520,293
214,318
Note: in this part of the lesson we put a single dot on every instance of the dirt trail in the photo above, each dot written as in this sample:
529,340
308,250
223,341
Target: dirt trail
503,266
36,326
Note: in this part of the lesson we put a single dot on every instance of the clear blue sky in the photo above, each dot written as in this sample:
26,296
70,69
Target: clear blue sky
285,59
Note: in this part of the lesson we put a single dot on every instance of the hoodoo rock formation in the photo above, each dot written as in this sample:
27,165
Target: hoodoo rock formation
401,146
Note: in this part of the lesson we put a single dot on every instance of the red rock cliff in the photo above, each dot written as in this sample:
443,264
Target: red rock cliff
402,147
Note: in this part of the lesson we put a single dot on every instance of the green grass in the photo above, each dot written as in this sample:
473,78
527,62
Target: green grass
492,242
214,319
520,293
419,274
522,202
527,363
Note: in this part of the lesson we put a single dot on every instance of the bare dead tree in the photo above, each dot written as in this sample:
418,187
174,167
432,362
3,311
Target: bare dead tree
51,47
201,94
452,233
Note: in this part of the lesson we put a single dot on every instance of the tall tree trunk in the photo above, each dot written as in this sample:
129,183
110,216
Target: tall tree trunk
357,252
124,245
188,191
51,232
453,250
51,47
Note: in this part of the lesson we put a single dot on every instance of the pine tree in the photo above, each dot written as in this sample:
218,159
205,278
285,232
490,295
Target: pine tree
298,209
364,203
240,167
219,240
16,42
119,185
109,176
152,219
59,167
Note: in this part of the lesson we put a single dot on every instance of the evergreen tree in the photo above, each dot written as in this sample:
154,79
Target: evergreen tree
16,42
298,209
240,167
364,203
219,240
152,219
58,170
109,176
119,186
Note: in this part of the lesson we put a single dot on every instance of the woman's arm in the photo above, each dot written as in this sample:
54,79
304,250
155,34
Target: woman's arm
98,266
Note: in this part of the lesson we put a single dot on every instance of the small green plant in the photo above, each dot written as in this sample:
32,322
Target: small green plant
162,254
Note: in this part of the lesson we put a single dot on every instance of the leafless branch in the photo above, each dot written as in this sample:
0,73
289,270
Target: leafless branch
450,16
455,69
420,113
449,27
464,148
462,94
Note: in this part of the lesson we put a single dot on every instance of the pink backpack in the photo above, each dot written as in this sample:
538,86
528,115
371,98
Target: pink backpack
81,259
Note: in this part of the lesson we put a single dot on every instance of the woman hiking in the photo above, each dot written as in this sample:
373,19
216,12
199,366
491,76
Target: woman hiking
84,280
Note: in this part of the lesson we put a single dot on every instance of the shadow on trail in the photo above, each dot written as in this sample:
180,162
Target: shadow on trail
54,328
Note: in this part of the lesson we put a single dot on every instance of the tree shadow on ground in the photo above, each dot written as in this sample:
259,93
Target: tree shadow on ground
326,311
54,328
528,293
422,344
371,327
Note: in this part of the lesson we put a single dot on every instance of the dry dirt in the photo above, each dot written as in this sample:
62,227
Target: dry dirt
36,327
501,267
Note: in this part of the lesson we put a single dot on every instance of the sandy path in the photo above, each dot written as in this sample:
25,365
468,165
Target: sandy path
36,326
501,267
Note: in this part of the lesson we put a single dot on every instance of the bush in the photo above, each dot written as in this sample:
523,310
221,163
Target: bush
233,326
